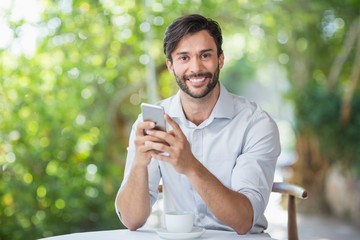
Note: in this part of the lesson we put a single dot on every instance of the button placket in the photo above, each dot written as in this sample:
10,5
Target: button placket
197,149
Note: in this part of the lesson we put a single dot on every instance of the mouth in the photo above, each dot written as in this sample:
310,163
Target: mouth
197,78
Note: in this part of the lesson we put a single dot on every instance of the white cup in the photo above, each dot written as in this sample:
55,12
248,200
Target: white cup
179,222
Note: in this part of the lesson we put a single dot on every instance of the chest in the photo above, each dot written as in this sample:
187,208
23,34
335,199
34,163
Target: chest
217,146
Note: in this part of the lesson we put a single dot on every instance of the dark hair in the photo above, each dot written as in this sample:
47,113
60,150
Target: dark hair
190,24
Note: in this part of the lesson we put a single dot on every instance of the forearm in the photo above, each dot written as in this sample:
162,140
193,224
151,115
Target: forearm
232,208
133,201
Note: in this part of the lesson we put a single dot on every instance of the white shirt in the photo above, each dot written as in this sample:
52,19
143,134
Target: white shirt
239,143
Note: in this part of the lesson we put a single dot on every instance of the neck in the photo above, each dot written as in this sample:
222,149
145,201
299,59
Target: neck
197,110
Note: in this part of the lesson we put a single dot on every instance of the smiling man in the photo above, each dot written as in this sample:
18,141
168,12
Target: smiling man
222,149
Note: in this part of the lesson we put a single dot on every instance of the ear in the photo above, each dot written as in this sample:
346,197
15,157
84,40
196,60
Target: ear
221,60
170,66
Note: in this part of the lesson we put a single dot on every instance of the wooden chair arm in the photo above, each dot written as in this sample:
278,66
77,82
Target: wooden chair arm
293,191
289,189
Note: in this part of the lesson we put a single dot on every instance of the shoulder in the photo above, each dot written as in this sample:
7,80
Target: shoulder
251,114
245,106
238,103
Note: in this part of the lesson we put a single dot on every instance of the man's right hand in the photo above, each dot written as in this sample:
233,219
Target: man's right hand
143,152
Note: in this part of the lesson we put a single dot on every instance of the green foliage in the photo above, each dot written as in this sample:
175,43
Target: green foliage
313,43
238,73
326,112
59,152
66,108
318,111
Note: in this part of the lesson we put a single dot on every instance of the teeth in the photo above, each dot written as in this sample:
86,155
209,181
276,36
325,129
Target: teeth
195,80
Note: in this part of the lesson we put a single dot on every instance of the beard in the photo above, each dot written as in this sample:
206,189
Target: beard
214,79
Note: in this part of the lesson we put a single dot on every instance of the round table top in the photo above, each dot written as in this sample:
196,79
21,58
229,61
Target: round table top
150,234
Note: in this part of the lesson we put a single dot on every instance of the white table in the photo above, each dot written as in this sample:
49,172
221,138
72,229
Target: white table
150,234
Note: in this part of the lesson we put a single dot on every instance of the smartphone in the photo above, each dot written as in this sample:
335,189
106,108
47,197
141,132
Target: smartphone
154,113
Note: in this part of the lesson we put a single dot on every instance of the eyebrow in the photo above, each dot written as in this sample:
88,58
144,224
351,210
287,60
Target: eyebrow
201,52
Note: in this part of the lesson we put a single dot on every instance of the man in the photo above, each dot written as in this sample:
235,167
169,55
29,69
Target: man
222,149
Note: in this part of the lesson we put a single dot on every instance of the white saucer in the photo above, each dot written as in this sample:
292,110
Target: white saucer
195,233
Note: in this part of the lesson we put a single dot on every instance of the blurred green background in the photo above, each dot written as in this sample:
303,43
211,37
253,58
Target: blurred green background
74,72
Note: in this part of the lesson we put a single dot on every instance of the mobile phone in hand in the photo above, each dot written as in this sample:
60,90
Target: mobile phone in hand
154,113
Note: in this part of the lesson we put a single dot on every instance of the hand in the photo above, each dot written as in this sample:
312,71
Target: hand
143,152
176,145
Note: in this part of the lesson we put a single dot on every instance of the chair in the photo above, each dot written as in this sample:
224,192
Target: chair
293,191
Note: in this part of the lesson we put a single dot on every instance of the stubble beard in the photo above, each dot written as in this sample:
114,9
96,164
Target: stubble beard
214,79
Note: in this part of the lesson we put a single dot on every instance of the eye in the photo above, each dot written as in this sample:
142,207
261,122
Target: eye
206,55
183,58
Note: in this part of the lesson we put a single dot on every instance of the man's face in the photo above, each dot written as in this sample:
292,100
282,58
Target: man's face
196,65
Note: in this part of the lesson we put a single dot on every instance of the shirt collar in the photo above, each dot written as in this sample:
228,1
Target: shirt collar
223,107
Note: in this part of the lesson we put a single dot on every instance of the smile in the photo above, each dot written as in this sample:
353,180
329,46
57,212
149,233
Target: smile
196,80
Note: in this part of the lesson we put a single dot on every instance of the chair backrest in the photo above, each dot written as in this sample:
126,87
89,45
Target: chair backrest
293,191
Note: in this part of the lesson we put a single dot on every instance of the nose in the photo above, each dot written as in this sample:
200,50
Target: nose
195,65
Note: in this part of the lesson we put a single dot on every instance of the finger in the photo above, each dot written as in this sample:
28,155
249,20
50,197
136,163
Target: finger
140,140
161,137
173,124
158,146
142,126
162,156
151,138
157,133
148,148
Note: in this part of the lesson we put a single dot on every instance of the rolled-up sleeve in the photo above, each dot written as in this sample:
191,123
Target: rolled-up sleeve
253,173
